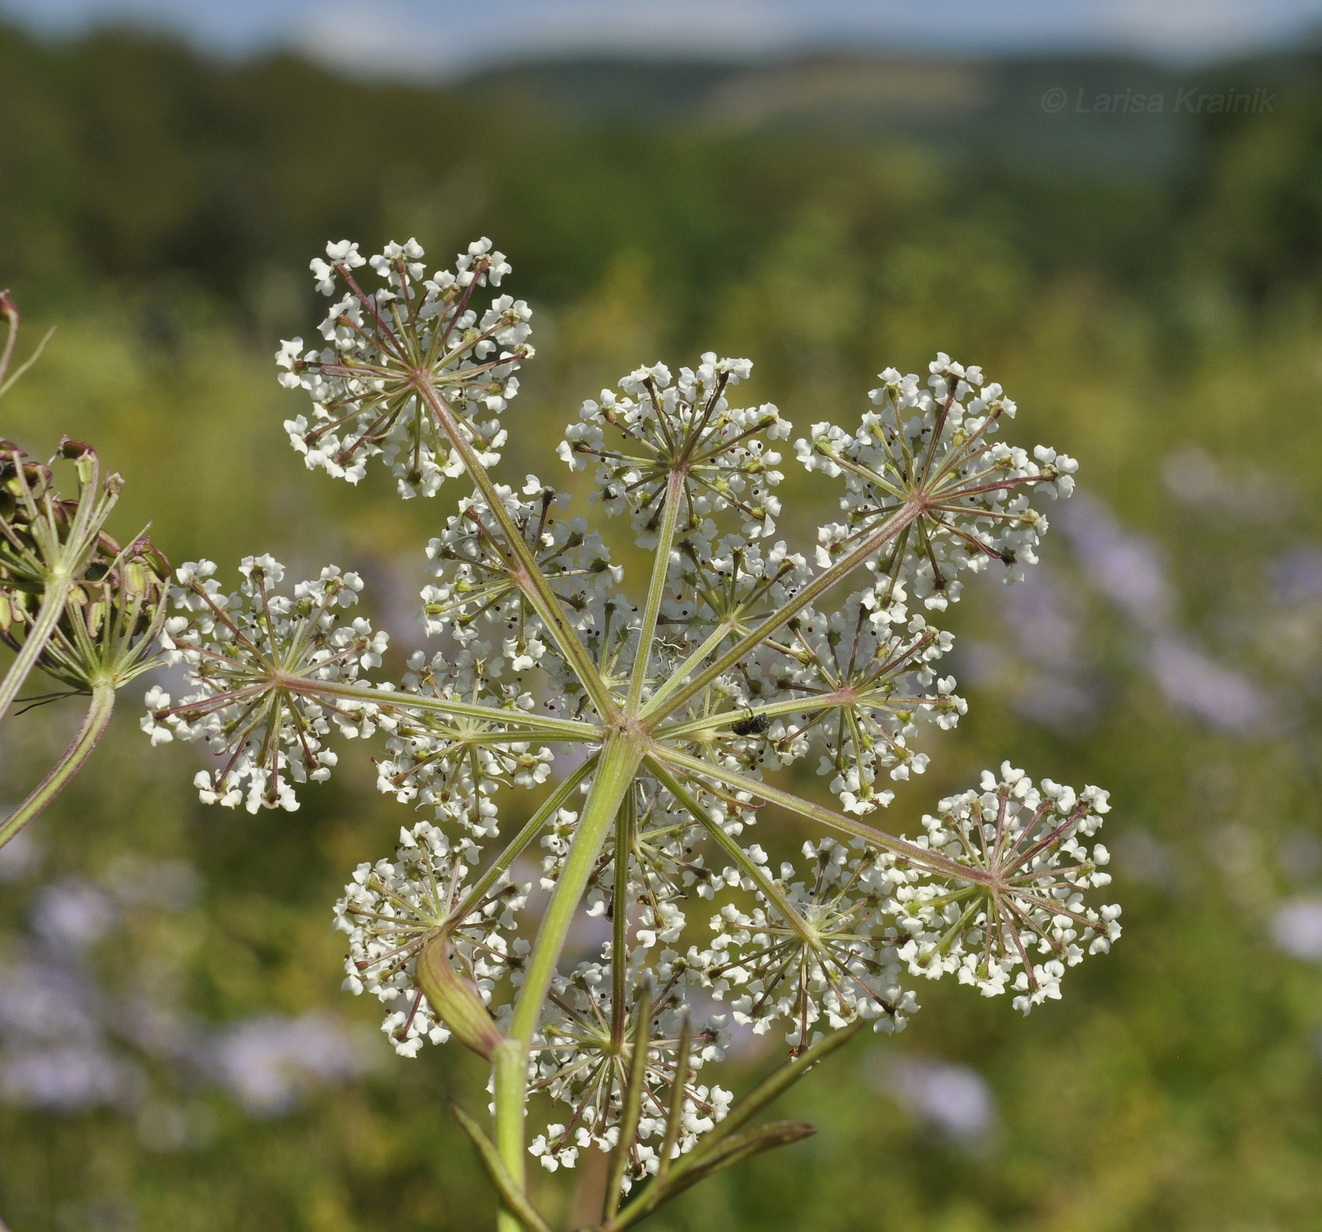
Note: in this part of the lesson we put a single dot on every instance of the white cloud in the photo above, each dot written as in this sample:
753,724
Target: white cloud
391,37
1181,28
715,27
378,38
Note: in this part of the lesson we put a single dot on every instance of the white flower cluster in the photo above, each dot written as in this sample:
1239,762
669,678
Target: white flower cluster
862,685
475,592
817,945
454,763
934,444
1024,842
392,908
682,427
260,663
584,1056
398,358
731,582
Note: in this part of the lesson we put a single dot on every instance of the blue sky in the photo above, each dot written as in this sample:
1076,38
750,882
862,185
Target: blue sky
424,37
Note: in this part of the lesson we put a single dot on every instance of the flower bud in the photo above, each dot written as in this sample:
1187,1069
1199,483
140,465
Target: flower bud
455,999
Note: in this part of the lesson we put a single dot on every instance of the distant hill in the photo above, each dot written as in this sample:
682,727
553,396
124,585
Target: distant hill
1109,115
136,161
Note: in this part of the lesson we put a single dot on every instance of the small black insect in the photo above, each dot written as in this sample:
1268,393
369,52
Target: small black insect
751,725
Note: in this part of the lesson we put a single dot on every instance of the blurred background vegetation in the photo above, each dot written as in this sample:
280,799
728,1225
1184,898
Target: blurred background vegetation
174,1050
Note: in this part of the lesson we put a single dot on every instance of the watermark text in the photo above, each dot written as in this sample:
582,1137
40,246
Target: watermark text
1191,100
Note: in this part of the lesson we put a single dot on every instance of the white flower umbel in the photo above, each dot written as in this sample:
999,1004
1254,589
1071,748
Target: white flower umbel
258,662
933,446
816,946
401,355
687,424
475,593
1025,921
623,745
584,1054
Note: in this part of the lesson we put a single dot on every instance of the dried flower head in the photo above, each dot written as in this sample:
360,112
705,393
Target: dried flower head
88,610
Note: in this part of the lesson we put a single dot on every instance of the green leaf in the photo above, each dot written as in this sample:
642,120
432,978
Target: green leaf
515,1200
735,1150
723,1146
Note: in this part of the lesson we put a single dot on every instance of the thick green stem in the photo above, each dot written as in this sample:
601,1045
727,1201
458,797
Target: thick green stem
48,616
625,822
509,1067
91,731
888,530
657,588
616,766
528,574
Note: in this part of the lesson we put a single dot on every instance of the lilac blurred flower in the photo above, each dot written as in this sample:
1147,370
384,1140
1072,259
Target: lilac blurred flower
67,1078
1125,567
953,1099
53,1053
1141,856
1198,480
1295,577
1220,697
268,1062
1297,927
20,856
72,914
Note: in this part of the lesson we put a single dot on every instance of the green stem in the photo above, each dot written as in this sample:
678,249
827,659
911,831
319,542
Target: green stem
509,1065
91,731
544,725
657,588
755,872
844,824
625,823
528,576
888,530
48,616
616,766
548,808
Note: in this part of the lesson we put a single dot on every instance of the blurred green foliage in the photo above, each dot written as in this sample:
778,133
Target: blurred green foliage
161,208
